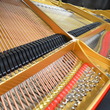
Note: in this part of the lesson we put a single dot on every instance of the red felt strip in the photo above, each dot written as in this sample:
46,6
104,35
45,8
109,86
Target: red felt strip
67,88
105,44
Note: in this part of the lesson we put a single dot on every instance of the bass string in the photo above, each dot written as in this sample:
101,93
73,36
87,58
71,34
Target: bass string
22,28
44,82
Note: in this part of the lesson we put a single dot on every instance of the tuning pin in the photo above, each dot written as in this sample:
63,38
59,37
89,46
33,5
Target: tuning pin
80,99
92,76
87,90
73,91
69,96
78,102
65,102
85,94
72,94
78,95
99,73
96,81
76,98
91,85
75,104
87,75
84,79
97,77
79,80
61,106
72,100
93,72
90,89
79,85
73,108
82,94
82,90
86,85
76,88
83,85
93,81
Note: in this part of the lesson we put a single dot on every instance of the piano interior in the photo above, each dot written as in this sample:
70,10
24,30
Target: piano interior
53,56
